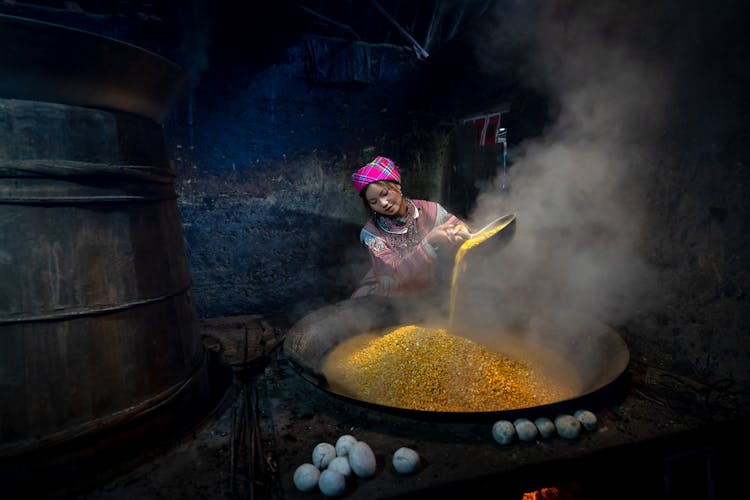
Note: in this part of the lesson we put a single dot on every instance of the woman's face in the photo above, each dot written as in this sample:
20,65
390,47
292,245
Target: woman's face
385,198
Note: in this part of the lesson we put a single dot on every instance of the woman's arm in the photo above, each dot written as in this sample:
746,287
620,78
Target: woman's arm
393,269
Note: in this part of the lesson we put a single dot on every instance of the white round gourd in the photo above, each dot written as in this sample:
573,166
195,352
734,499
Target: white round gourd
545,426
503,431
405,460
525,429
362,459
568,426
588,419
341,464
331,483
306,477
344,444
322,455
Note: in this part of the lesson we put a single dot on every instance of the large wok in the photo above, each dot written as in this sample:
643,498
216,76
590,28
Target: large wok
596,354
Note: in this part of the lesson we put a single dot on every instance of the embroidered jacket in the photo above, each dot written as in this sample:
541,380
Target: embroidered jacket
402,261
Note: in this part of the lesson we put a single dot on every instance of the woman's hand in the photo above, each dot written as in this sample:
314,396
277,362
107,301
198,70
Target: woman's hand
461,232
446,234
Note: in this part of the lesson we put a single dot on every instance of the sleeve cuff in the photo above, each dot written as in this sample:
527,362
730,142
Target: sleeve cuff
431,249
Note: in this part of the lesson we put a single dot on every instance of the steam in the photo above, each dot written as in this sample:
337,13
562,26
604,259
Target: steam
577,190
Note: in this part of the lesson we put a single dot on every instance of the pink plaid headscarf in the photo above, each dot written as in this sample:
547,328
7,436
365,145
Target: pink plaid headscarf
379,169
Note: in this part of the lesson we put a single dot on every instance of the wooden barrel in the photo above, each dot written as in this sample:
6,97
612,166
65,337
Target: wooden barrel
97,320
100,356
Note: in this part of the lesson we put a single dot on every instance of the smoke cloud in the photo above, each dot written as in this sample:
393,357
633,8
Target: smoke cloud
577,189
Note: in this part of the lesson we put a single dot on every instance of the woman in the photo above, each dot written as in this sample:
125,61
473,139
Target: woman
406,238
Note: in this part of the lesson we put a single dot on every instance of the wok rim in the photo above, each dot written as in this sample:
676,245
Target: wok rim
607,390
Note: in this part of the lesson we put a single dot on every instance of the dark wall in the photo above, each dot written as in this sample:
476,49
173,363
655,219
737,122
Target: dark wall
627,168
265,143
280,108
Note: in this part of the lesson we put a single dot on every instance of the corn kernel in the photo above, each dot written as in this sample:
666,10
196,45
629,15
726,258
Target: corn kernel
430,369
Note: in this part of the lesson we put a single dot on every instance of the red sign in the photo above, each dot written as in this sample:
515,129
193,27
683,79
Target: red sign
486,127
